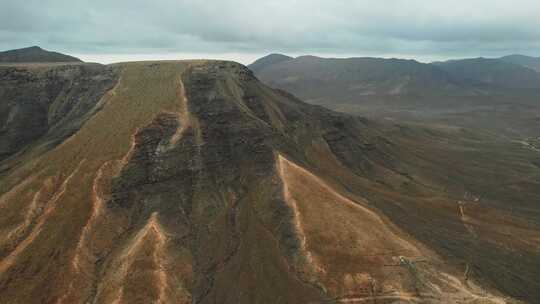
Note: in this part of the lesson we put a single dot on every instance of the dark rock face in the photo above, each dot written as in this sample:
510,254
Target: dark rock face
46,105
215,187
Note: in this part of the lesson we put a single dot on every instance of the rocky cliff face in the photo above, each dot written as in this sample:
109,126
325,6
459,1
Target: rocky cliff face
44,105
191,182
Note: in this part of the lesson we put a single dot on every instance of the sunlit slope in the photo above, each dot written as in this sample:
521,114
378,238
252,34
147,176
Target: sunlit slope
48,219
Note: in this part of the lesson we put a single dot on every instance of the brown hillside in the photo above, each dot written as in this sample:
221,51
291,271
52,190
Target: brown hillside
192,182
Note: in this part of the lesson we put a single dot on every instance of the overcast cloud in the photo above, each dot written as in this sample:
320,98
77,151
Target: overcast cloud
106,30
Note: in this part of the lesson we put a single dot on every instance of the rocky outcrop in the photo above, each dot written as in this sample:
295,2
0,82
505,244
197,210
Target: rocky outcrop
46,105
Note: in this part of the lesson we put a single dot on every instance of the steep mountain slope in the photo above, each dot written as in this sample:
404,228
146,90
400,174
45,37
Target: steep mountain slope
526,61
195,183
47,104
34,54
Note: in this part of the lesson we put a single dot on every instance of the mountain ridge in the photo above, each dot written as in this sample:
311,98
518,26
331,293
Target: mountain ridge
527,61
267,60
458,71
480,93
492,72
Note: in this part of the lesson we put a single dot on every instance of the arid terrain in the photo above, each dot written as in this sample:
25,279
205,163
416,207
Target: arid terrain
501,95
193,182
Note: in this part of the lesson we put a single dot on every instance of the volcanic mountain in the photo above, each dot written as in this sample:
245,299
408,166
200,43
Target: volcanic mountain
192,182
497,94
34,54
267,61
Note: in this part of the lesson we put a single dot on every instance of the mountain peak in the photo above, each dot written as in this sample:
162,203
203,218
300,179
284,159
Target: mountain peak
268,60
34,54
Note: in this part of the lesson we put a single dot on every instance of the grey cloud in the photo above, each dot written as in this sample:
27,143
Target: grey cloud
409,27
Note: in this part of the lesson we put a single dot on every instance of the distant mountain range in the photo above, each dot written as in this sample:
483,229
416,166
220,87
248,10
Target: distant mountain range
526,61
500,94
34,54
314,78
496,73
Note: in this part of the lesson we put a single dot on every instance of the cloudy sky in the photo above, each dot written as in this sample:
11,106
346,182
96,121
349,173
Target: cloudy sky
242,30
